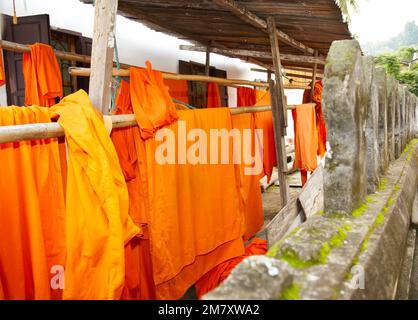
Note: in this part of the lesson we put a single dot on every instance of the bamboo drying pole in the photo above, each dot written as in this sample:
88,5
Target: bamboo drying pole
33,131
85,72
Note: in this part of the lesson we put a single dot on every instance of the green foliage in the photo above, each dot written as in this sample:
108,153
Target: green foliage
397,65
345,5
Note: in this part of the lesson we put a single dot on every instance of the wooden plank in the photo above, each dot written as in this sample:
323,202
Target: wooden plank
207,65
245,15
311,198
102,54
257,54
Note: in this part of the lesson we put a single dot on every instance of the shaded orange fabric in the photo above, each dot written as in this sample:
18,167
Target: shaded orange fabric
217,275
178,89
151,102
214,97
129,146
195,218
32,212
264,121
249,184
42,76
2,77
320,121
306,137
246,97
97,221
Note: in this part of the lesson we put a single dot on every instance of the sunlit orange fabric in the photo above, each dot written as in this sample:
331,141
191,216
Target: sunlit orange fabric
320,121
246,97
151,102
178,89
2,78
217,275
129,146
249,184
195,218
32,212
264,121
42,76
214,97
306,137
97,221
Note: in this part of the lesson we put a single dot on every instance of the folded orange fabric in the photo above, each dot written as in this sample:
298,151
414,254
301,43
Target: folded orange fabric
264,121
97,221
195,218
246,97
306,137
139,284
32,212
42,76
320,121
151,102
214,97
249,184
2,77
178,89
217,275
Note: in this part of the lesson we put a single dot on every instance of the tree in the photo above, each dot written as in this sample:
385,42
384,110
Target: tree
398,65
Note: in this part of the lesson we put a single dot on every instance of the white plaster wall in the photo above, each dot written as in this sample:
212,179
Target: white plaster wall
136,43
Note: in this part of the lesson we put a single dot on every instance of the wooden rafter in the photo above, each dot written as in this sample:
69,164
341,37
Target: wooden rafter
245,15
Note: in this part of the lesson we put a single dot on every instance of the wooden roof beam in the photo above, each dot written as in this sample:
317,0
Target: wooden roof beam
257,54
245,15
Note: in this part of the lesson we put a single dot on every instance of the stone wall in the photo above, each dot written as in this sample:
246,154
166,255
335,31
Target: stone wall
354,247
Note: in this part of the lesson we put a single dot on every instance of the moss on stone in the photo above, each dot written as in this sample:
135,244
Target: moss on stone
360,210
382,185
291,293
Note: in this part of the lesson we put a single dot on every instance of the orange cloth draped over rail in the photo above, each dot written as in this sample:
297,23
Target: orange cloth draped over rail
306,137
42,76
320,121
130,147
32,212
214,97
217,275
97,221
246,97
2,78
178,89
249,182
264,121
151,102
195,217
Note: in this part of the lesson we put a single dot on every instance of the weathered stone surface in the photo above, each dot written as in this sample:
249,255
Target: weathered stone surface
398,121
404,137
392,86
371,241
404,282
380,78
372,125
255,278
345,104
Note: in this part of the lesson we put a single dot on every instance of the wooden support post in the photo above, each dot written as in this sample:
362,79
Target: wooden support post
268,75
279,143
275,52
314,77
207,66
102,54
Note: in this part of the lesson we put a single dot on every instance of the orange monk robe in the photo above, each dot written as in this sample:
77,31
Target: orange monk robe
97,221
195,218
2,78
32,212
246,97
217,275
214,97
129,147
178,89
249,184
306,137
151,102
42,76
264,121
320,121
